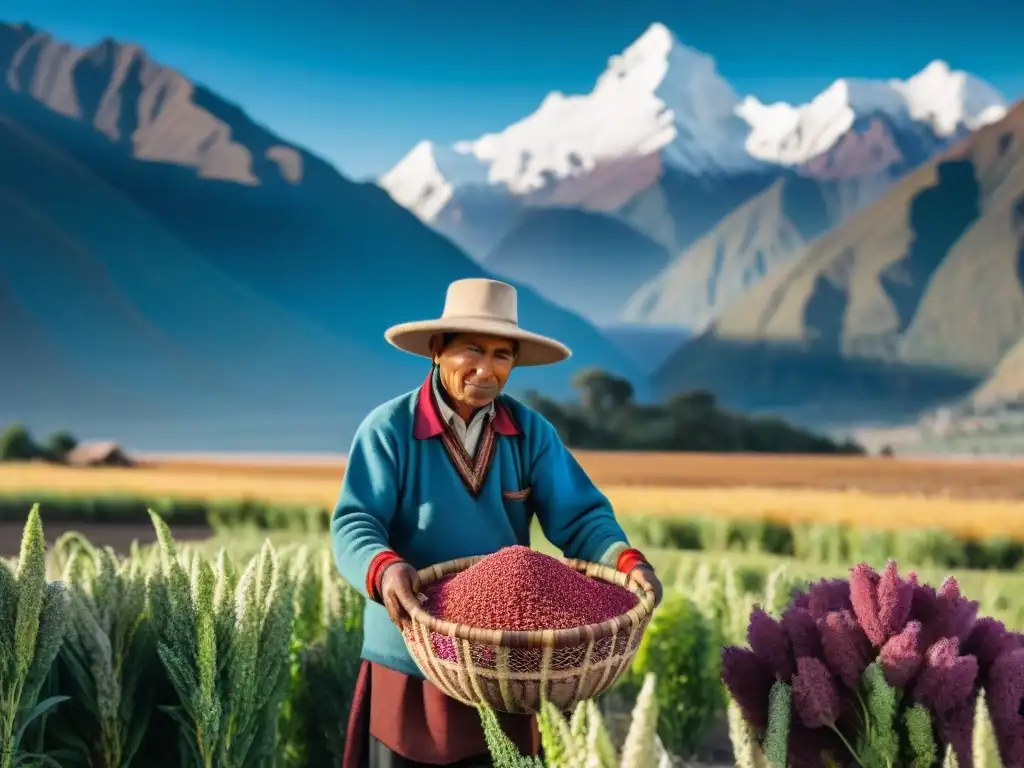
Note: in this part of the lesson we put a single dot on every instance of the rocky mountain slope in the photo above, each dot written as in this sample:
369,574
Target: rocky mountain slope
666,145
912,302
175,276
767,230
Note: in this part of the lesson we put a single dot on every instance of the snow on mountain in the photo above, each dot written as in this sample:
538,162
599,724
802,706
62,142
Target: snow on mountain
656,96
426,179
947,101
664,145
660,107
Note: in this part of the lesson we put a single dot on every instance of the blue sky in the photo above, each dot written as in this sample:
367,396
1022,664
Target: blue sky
359,83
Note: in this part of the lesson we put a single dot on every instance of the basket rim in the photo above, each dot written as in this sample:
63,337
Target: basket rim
535,638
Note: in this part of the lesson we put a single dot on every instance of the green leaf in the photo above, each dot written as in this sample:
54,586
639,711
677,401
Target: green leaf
40,760
41,708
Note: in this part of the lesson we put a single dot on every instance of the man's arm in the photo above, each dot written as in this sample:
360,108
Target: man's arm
366,506
575,516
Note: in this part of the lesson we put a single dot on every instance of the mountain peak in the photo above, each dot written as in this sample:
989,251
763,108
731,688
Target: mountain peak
658,95
657,40
946,100
150,111
950,99
657,63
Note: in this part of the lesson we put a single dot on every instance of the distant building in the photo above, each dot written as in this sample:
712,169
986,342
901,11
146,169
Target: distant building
98,455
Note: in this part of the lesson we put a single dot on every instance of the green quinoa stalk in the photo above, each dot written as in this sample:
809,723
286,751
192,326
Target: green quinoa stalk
226,651
920,736
880,745
108,653
776,739
33,616
559,745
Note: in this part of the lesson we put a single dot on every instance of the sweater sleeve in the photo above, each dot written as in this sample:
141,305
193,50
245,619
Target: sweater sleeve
574,515
367,503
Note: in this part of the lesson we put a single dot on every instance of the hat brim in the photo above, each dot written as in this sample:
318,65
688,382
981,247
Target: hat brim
534,349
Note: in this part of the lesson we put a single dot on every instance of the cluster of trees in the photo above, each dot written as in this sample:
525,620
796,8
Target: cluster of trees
607,418
17,444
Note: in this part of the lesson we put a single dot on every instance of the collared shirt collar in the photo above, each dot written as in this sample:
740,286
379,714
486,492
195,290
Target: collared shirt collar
427,420
447,413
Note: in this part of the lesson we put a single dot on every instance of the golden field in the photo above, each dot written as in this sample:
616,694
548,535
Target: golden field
970,498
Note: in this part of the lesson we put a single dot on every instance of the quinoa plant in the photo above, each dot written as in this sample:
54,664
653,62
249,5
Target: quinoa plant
583,740
747,752
330,665
879,671
680,646
295,726
225,651
32,621
108,656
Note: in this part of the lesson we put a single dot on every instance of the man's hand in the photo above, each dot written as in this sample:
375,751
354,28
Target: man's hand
645,576
398,583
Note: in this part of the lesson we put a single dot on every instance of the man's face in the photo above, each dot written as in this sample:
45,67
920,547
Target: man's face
474,368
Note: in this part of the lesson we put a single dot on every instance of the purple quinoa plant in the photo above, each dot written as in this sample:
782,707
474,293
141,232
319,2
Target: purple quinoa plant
877,671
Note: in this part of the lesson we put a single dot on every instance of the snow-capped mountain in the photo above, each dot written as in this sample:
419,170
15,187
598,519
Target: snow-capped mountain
949,102
658,96
666,145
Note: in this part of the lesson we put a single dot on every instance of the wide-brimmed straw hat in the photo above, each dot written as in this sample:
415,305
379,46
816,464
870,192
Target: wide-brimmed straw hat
479,305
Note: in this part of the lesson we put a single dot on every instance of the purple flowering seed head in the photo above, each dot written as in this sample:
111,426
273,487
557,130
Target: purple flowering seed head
864,596
800,599
955,728
815,696
847,649
924,609
895,598
769,643
828,595
987,640
749,682
946,678
808,747
901,656
802,631
1003,695
955,614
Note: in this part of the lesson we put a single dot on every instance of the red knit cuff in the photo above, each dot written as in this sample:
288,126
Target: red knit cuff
376,570
630,559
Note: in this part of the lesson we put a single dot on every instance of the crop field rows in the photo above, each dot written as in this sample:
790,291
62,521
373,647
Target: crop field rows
961,478
977,499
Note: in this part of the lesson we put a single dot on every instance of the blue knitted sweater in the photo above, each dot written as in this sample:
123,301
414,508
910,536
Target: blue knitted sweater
409,488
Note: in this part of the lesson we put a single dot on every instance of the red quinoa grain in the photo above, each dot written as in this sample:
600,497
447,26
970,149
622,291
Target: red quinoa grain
518,588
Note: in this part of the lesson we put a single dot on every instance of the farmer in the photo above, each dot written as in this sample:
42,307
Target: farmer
454,469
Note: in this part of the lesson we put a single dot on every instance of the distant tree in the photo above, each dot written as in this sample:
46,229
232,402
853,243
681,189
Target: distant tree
620,392
60,444
606,418
592,386
16,444
600,391
698,399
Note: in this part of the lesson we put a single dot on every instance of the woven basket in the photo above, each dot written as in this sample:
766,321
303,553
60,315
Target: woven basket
513,671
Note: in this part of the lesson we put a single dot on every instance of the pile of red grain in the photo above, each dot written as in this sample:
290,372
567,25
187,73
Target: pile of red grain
517,588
